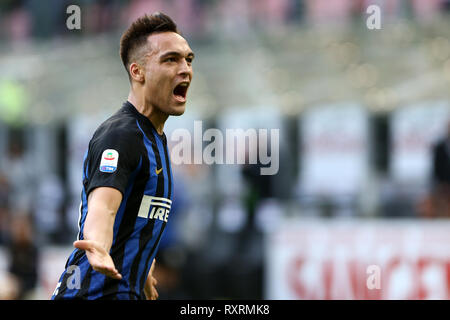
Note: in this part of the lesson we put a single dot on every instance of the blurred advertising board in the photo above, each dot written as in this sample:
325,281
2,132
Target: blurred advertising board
414,130
334,151
247,118
358,260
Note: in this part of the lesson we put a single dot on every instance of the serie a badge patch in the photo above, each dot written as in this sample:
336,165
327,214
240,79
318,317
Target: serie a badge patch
109,161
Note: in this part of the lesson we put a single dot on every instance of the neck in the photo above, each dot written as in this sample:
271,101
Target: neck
156,117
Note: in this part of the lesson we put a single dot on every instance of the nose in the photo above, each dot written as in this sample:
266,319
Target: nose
185,69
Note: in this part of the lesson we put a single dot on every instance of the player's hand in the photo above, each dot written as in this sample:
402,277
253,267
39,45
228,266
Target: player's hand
150,285
98,257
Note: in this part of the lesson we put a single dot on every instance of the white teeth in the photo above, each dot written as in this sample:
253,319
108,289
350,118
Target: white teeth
184,84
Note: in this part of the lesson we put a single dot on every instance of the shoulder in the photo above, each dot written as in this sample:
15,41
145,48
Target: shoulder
121,128
118,134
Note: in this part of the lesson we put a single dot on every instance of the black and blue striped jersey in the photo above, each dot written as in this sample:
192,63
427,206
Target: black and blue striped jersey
126,153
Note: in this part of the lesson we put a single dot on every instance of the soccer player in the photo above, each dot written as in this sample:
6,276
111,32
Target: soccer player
127,177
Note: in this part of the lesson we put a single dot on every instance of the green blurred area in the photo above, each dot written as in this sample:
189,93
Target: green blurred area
13,103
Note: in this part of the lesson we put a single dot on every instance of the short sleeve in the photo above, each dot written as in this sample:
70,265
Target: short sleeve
112,157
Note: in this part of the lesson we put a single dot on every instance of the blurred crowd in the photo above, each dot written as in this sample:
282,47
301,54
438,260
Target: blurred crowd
17,233
213,246
25,19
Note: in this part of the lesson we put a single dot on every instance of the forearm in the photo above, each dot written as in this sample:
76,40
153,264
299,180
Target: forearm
99,225
103,204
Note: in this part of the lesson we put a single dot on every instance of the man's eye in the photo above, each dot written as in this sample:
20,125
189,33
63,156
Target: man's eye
171,59
189,60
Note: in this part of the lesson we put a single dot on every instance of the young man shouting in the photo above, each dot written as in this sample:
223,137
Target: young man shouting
127,177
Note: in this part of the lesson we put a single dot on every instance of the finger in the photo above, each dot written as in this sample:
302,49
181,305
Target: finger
83,244
116,276
108,271
155,294
153,266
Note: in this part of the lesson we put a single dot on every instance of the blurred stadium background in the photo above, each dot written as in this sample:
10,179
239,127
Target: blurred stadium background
359,111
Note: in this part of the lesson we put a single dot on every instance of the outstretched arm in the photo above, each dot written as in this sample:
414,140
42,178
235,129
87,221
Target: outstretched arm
103,203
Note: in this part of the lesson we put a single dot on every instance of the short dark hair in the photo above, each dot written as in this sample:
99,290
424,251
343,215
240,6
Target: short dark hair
136,35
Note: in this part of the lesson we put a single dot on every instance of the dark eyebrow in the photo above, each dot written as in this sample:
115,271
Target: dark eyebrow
176,53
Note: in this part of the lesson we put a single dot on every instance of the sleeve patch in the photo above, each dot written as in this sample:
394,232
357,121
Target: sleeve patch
109,161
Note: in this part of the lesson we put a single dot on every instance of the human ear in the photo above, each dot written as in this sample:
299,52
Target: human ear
136,72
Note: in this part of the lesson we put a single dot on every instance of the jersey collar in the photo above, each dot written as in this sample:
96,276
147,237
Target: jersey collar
128,106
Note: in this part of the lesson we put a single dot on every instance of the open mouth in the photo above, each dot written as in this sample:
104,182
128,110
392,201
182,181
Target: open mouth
180,91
